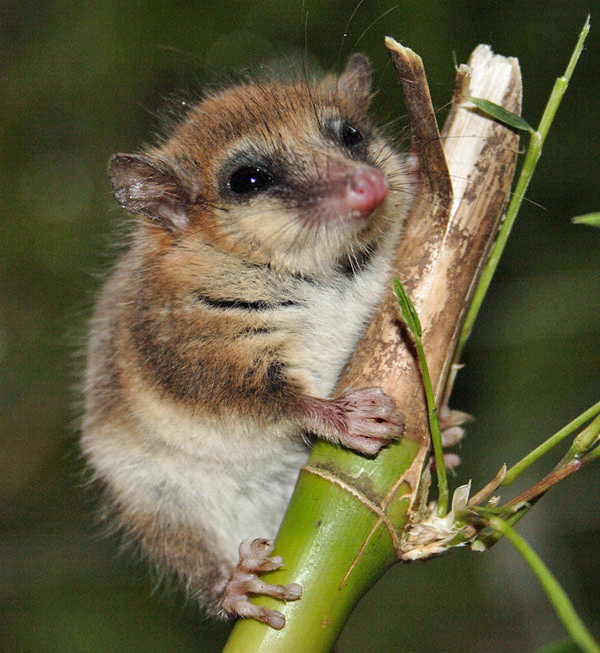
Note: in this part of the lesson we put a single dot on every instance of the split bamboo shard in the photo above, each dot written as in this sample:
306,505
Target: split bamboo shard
465,187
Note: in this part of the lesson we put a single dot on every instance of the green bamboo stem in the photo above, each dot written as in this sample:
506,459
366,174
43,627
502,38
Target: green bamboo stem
582,452
550,443
350,546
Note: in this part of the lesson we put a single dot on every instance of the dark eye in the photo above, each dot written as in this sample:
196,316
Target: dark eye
351,137
250,179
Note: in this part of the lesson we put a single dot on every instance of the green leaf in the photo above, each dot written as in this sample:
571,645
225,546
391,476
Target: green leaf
590,219
501,114
409,313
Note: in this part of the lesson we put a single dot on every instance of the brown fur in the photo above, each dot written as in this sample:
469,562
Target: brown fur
206,358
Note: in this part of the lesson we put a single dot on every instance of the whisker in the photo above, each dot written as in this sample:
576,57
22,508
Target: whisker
374,22
346,28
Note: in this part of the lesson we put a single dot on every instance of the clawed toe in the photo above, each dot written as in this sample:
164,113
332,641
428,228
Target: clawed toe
451,461
451,422
254,556
452,436
244,581
372,419
270,617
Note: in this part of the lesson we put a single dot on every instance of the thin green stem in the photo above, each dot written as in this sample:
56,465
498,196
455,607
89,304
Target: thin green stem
533,154
550,480
551,442
436,436
578,48
411,319
557,596
565,468
560,85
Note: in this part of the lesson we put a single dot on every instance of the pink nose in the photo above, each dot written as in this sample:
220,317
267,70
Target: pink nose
366,190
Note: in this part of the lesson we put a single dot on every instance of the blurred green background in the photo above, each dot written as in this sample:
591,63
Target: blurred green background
81,81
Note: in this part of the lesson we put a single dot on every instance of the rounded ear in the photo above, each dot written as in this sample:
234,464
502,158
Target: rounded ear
146,185
356,81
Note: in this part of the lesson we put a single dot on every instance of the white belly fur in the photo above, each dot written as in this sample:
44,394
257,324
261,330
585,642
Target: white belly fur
335,319
235,482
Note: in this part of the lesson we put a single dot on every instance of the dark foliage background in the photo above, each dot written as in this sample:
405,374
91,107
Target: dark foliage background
80,81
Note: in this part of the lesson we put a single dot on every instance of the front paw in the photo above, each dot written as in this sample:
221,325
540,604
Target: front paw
244,580
370,419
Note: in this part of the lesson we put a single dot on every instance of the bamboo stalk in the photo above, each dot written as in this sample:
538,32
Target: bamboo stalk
344,526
